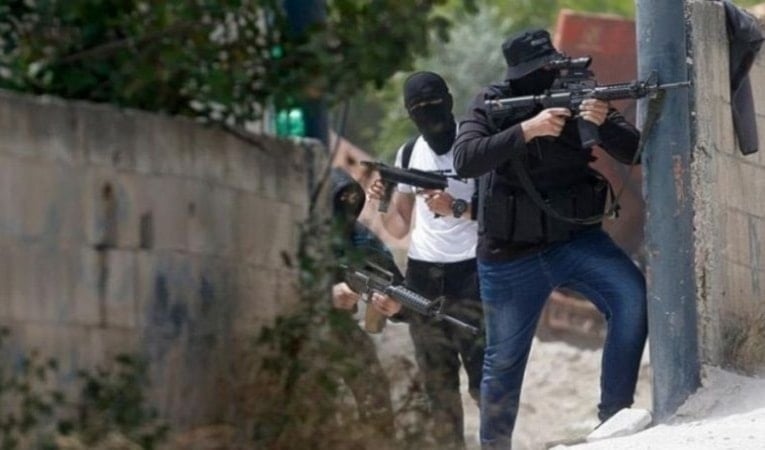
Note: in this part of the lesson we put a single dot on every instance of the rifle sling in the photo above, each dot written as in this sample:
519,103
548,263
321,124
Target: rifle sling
654,109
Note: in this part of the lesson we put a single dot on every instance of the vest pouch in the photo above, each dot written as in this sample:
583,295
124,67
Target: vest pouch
528,220
564,202
590,198
498,212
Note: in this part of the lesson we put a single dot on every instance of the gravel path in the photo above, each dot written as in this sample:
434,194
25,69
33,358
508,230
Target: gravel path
560,393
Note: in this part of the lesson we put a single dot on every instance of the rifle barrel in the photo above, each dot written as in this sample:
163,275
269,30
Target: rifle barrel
674,85
459,323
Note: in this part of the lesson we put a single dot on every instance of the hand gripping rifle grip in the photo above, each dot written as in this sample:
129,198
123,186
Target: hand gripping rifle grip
385,200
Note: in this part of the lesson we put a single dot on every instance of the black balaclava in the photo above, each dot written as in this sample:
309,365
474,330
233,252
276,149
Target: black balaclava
347,199
429,103
533,83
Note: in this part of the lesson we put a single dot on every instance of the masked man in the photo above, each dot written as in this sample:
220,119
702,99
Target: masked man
441,256
359,367
524,251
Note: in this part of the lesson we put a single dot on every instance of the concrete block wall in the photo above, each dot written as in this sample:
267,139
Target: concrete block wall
129,231
729,209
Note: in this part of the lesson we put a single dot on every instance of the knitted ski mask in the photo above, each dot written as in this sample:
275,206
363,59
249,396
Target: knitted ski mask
429,103
534,83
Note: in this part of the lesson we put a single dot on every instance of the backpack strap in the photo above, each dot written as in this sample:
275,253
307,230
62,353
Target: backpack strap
406,155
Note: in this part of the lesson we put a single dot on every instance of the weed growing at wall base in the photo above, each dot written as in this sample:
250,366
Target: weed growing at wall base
110,405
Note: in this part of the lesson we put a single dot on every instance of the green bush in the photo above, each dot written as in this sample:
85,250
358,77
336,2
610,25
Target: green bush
34,414
216,59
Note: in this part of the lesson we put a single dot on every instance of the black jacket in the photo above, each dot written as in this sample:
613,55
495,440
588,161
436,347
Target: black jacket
484,148
744,42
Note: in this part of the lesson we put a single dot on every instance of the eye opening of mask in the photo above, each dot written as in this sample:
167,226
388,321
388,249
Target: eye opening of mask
434,101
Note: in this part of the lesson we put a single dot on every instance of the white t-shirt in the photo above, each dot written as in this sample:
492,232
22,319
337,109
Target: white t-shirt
442,239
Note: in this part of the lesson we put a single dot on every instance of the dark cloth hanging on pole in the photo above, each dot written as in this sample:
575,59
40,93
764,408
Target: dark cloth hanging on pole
744,41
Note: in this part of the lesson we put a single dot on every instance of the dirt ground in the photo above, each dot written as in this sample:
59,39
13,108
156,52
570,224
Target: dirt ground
560,392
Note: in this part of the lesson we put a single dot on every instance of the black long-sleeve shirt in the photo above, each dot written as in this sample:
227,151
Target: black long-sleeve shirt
483,147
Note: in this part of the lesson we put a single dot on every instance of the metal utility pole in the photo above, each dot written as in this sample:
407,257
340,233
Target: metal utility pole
301,14
672,314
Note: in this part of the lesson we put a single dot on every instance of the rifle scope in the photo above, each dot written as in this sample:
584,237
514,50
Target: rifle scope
568,63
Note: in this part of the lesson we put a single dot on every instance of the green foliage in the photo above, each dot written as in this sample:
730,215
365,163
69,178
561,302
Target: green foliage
300,349
181,57
216,59
34,414
113,399
28,402
313,352
469,60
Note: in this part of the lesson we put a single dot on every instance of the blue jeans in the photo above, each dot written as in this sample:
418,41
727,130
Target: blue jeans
514,293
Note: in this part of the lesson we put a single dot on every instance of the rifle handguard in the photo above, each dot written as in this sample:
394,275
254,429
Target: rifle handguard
411,300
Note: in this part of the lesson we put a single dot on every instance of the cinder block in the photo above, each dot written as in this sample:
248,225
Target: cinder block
253,221
740,287
163,145
212,308
84,272
270,185
757,242
113,203
12,217
166,282
185,299
42,127
65,215
242,164
107,135
735,236
266,228
41,201
256,304
5,281
41,288
212,213
293,159
740,185
120,301
51,285
209,149
759,157
167,201
757,77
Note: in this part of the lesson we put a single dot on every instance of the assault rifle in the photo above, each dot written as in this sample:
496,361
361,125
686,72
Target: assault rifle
575,84
391,176
373,278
